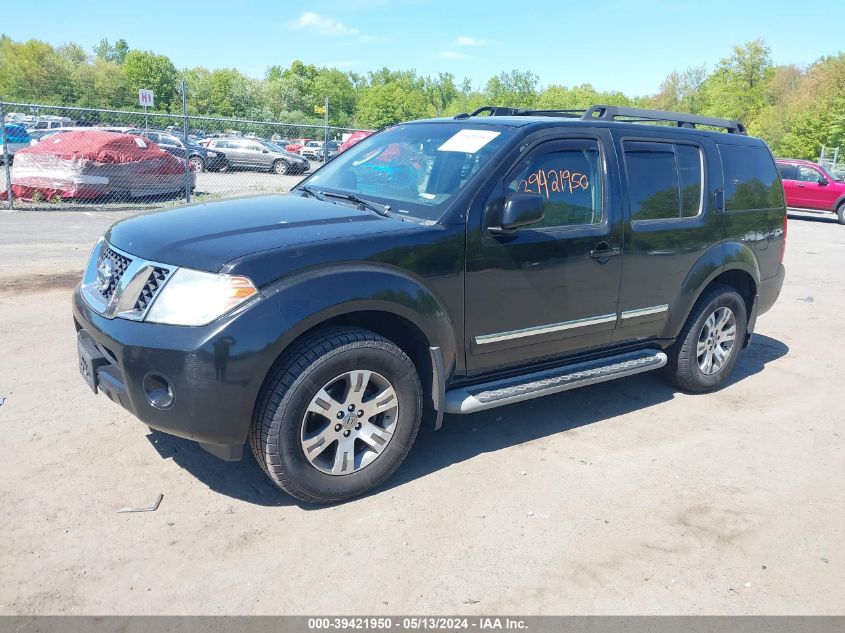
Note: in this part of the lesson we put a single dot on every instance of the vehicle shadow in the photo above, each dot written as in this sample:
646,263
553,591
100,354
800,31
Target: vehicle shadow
464,437
827,218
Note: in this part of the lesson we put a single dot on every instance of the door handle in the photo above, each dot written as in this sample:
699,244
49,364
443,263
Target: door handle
604,251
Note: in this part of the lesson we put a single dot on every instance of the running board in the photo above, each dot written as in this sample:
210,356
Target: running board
542,383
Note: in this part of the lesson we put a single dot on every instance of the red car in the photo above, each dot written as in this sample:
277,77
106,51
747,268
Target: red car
810,187
353,138
296,144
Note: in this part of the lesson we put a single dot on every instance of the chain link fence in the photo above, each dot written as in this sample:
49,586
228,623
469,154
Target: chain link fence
58,157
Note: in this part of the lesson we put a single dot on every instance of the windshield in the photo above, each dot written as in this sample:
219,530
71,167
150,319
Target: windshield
415,168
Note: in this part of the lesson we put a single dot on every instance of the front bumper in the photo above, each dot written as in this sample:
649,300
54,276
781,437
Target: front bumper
214,372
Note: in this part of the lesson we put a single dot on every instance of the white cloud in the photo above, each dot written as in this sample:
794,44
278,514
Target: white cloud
454,55
465,40
324,25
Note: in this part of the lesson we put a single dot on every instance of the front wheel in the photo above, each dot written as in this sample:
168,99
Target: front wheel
707,349
197,164
840,213
337,416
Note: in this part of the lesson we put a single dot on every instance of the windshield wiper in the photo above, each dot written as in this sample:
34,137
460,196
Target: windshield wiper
384,211
312,192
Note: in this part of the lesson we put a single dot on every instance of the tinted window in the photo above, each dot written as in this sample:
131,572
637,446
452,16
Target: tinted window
751,180
664,180
787,171
569,180
689,171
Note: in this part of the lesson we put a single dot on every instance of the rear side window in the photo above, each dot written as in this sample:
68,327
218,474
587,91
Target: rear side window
664,180
751,180
788,171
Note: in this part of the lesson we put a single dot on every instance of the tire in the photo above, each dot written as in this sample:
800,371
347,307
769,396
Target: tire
840,213
311,376
197,164
687,367
281,167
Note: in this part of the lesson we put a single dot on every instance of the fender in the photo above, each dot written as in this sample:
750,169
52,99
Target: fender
839,201
312,296
716,260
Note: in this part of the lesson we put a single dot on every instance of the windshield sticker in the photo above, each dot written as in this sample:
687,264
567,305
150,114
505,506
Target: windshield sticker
139,141
546,181
468,141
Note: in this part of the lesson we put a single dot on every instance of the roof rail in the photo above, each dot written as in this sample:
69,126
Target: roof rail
612,112
642,115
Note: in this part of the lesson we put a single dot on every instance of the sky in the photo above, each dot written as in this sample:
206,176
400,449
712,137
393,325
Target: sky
626,45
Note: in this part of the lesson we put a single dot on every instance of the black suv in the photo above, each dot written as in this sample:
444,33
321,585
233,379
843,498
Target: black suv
438,266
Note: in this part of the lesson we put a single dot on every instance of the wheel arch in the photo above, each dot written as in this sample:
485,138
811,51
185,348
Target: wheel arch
730,263
385,301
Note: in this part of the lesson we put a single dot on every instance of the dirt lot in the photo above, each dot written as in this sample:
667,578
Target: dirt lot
622,498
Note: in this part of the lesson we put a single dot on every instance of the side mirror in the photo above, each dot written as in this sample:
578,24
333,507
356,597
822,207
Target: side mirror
823,181
520,209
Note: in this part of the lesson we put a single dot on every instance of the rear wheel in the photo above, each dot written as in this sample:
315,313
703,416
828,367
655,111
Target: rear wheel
707,349
337,416
281,167
840,213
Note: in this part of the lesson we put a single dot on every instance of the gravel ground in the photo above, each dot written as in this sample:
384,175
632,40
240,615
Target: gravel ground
622,498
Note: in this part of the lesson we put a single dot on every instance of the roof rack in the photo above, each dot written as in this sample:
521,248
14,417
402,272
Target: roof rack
626,114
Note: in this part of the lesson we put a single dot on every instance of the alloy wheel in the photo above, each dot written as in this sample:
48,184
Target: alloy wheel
716,341
349,422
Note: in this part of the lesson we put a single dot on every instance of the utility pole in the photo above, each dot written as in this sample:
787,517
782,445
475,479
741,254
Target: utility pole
326,135
6,156
183,88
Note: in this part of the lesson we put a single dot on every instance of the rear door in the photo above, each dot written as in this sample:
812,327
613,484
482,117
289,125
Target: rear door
789,176
670,223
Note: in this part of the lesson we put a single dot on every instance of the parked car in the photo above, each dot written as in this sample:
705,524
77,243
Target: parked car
810,187
311,149
439,266
198,156
294,145
330,151
242,153
51,123
16,138
353,138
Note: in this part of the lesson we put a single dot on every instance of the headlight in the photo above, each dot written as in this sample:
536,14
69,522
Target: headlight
211,154
191,297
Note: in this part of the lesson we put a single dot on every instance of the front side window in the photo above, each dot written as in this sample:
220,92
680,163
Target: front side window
569,178
664,180
415,167
751,179
808,174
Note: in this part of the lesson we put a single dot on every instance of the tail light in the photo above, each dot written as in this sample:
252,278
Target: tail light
783,241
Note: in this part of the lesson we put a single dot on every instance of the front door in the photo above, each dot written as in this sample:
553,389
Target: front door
813,194
548,289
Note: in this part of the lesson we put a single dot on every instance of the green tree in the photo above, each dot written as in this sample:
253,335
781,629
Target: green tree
112,52
144,69
514,89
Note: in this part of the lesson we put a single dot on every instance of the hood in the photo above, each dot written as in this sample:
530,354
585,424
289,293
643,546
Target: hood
206,236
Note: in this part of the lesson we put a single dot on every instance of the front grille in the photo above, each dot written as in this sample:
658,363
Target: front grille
157,277
119,266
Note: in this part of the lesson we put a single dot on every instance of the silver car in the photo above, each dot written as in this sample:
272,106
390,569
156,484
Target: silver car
242,153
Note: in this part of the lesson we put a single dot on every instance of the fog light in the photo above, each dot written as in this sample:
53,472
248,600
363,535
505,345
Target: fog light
158,391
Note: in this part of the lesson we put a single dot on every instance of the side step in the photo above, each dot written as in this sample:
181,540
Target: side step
542,383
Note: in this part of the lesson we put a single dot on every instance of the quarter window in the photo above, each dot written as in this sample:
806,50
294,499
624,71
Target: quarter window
569,178
751,180
664,180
